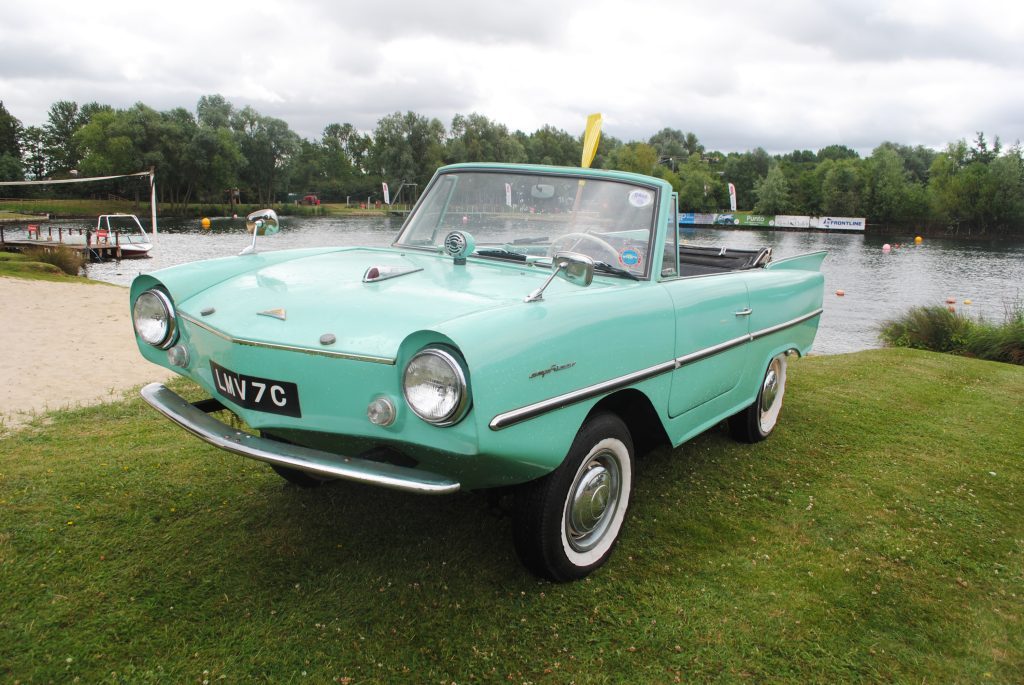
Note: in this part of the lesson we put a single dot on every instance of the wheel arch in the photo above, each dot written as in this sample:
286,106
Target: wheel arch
637,411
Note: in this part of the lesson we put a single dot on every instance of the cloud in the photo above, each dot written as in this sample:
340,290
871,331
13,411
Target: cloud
792,74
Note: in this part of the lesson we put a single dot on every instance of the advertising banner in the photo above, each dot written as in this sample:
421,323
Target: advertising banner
839,223
687,218
787,221
732,197
756,220
387,195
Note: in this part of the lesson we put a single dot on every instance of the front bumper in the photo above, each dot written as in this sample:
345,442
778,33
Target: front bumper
316,462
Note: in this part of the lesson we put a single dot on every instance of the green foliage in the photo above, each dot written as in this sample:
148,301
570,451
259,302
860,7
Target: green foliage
932,328
553,146
975,189
407,147
860,544
10,168
10,133
64,258
638,158
62,149
772,192
475,138
938,329
743,170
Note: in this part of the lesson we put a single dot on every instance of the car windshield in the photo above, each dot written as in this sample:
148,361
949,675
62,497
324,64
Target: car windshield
529,217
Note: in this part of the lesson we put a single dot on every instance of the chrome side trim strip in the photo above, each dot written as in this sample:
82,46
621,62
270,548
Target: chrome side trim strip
534,410
287,348
788,324
316,462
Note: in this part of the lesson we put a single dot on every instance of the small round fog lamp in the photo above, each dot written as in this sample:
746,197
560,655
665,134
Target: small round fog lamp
178,356
381,412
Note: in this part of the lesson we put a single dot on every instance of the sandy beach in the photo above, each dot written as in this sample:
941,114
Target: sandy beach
65,345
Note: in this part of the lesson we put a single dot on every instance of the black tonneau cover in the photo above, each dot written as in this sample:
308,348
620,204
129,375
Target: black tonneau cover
695,260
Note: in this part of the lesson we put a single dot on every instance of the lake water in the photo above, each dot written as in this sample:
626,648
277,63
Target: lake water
877,285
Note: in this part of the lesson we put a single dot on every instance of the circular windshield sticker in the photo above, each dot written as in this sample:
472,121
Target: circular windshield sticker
629,257
640,198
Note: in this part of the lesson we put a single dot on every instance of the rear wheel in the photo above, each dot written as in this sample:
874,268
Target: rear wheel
567,523
756,422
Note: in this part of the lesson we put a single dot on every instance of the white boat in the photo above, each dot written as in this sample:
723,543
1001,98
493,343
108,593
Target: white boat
126,231
121,230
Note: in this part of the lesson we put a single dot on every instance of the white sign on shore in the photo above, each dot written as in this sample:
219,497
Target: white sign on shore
839,223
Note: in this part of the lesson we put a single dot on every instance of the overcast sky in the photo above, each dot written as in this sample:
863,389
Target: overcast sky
783,75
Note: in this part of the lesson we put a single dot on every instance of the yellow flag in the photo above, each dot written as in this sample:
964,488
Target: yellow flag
590,139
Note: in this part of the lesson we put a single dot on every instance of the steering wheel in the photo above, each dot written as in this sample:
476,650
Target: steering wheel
601,250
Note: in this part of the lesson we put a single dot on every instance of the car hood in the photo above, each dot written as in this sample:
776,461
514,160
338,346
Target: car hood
296,302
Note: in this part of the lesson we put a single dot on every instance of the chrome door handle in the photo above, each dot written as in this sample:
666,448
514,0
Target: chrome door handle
744,312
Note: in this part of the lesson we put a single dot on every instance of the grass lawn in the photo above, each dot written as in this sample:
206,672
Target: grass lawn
877,537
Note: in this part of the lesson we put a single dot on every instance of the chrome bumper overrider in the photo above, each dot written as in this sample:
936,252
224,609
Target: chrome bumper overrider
316,462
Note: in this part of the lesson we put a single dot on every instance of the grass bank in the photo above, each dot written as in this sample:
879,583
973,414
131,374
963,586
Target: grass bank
28,266
878,536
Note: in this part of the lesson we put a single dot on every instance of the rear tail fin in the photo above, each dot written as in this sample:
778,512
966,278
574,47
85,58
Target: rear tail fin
804,262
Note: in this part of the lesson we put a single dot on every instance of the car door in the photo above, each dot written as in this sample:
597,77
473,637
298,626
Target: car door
712,318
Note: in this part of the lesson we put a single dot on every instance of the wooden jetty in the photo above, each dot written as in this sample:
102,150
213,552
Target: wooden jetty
97,245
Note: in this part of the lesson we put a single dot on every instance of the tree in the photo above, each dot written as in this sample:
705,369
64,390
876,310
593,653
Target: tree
214,111
639,158
743,170
475,138
699,189
892,196
267,145
407,147
842,186
836,153
62,151
10,133
772,192
33,152
552,146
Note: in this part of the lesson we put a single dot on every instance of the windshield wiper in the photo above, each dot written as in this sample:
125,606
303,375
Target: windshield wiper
501,253
605,267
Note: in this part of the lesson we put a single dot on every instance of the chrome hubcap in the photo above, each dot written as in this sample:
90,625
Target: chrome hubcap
593,499
770,390
771,394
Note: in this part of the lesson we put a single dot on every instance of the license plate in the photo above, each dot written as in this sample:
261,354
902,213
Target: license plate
253,392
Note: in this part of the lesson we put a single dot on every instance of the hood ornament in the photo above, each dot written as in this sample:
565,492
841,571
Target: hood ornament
278,313
383,273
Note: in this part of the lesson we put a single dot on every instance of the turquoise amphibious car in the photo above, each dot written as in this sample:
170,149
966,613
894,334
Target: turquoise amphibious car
531,328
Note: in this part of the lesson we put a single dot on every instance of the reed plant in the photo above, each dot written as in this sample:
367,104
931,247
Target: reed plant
67,260
941,329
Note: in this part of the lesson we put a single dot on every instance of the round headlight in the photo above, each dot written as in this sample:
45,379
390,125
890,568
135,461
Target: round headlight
153,316
435,387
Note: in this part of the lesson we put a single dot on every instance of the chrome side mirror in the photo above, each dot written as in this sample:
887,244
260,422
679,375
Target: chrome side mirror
576,268
260,222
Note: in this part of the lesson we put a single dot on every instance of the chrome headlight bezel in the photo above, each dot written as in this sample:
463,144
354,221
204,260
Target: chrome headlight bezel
168,327
457,381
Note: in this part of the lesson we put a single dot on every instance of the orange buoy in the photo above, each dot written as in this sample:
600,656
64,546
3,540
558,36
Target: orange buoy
950,300
918,240
840,293
205,223
968,301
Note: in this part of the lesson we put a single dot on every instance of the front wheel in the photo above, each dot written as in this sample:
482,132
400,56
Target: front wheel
756,422
567,523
